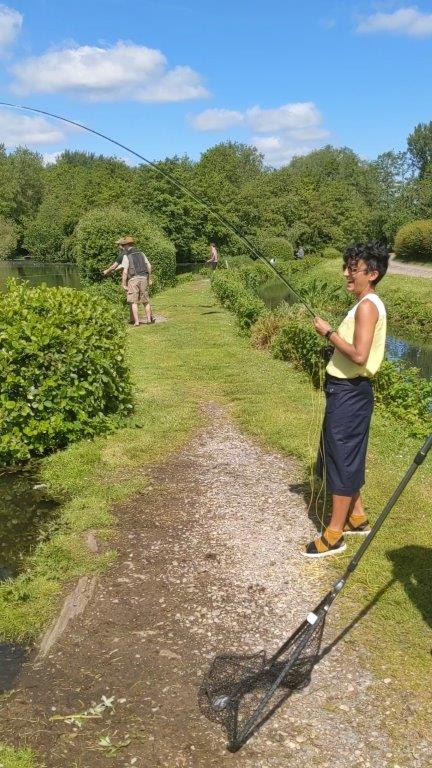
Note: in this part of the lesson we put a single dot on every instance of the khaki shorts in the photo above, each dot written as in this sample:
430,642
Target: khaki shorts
137,290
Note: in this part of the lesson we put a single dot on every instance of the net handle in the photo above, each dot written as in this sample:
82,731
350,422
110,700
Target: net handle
418,459
251,722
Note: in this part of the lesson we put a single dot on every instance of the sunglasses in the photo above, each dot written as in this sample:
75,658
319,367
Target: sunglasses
353,270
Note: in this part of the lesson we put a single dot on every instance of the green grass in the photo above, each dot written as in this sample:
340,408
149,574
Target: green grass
197,356
16,758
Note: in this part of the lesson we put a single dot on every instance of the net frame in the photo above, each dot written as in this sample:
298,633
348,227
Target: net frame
238,689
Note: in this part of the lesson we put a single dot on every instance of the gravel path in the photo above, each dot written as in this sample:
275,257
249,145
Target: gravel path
410,270
208,562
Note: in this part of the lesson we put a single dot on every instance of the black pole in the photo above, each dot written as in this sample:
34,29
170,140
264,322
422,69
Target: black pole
418,459
256,254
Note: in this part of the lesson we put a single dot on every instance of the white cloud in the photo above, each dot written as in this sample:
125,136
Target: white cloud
16,129
216,119
302,115
294,129
10,27
122,72
298,115
279,150
50,158
405,21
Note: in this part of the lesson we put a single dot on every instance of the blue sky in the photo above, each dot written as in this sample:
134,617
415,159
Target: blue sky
177,77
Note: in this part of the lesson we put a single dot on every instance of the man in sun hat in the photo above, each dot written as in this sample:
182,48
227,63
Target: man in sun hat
135,279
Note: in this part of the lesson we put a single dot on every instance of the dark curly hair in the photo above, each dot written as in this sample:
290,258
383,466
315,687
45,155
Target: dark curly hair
374,255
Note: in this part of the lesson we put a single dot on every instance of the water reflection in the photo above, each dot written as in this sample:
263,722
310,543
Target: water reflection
12,658
38,272
274,293
417,355
26,517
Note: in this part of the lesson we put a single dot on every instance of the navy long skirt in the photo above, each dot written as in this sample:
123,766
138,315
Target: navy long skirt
345,432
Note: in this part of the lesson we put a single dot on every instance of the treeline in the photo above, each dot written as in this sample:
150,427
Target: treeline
327,198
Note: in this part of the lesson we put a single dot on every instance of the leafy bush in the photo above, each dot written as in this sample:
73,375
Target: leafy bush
96,235
406,395
413,241
232,293
47,236
254,275
109,290
324,296
62,369
277,248
298,342
331,253
408,313
266,328
9,236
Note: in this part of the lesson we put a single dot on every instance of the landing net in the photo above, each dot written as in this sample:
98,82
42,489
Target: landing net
241,692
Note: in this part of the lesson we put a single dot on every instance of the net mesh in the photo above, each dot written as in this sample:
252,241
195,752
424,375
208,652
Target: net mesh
241,692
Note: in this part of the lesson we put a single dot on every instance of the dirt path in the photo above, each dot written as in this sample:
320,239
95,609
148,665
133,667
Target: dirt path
208,561
410,270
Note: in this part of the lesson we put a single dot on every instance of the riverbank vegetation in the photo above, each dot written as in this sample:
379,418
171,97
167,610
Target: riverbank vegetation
197,356
324,200
288,334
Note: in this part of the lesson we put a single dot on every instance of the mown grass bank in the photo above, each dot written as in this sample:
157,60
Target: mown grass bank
198,355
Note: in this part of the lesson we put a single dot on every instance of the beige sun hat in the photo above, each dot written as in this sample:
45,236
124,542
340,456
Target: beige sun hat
126,240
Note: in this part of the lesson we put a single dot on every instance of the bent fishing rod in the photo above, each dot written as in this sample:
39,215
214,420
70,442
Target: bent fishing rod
255,254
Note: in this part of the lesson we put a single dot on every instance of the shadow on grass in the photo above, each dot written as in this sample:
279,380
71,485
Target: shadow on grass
412,567
316,500
356,620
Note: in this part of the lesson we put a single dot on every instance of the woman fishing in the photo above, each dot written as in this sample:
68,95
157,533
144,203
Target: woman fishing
359,345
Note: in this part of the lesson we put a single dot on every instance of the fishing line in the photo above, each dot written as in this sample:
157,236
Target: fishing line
255,254
179,185
313,439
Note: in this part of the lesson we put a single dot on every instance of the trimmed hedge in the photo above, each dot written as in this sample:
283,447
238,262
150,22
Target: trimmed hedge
232,293
300,344
62,369
413,241
96,234
277,248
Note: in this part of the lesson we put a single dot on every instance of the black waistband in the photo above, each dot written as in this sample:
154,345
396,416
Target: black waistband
338,380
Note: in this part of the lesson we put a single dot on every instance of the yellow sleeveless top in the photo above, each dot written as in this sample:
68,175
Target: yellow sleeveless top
343,368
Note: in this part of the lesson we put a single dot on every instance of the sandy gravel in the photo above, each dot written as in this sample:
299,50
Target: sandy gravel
208,562
409,270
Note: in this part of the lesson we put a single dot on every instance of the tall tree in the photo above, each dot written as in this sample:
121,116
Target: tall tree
420,147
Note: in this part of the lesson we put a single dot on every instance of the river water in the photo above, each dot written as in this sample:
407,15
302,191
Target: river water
56,273
38,272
